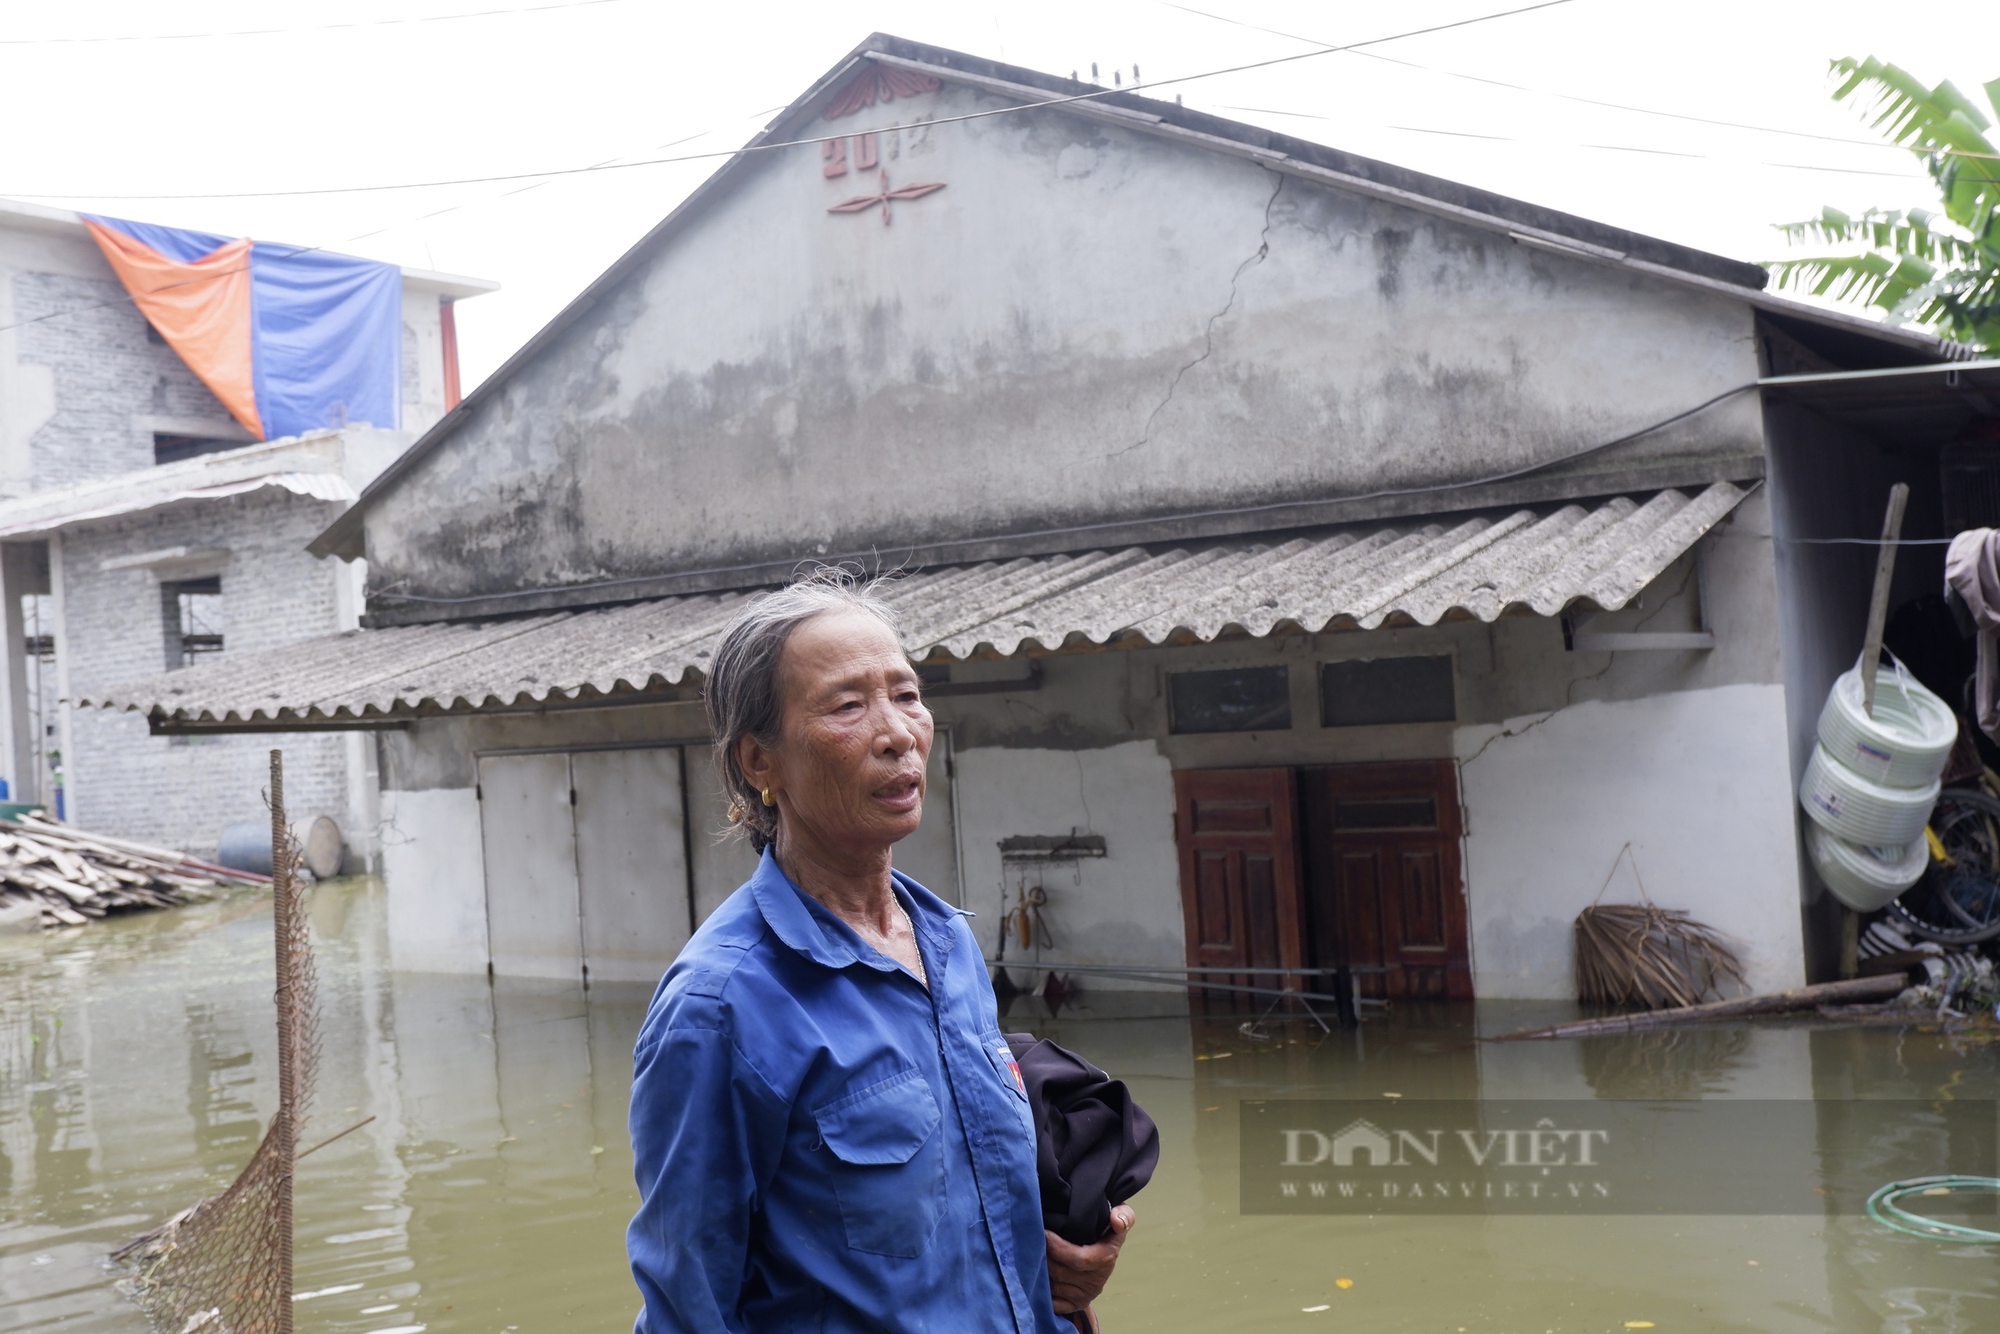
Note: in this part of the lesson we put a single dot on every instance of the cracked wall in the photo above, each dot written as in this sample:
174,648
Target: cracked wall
1084,325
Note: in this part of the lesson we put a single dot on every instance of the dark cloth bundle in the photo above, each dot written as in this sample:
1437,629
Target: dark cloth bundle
1094,1146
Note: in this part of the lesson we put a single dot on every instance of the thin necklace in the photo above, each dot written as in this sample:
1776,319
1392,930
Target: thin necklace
922,976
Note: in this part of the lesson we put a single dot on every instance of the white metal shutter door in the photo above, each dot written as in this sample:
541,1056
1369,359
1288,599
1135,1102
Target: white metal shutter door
530,842
631,861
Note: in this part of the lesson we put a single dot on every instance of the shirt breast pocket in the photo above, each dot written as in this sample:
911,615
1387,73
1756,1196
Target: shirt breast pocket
888,1169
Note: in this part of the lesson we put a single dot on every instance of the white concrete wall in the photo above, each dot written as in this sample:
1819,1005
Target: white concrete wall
1123,908
436,873
1088,324
1698,782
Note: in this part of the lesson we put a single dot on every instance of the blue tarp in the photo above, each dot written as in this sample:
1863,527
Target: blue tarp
326,330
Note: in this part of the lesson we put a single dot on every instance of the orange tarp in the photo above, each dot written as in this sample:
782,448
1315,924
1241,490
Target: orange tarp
202,309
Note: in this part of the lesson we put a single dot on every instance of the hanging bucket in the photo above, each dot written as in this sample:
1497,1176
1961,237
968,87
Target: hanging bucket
1865,878
1906,742
1860,810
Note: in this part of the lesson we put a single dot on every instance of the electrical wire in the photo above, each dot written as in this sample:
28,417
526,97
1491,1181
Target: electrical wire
297,251
1243,511
1569,97
1093,95
281,32
545,177
1539,92
1610,148
1865,541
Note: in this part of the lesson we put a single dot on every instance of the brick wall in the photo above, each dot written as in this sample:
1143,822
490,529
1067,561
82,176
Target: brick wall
181,791
107,372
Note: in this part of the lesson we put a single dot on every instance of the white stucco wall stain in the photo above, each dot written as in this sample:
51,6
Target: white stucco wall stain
1124,908
776,381
1698,782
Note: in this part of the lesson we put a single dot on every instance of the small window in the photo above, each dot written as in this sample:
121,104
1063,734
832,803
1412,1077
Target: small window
193,611
1241,699
169,448
1386,690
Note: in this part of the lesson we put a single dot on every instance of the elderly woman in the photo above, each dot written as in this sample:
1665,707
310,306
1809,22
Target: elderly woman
829,1129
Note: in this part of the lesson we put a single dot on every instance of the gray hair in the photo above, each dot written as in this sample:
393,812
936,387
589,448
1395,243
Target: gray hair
742,694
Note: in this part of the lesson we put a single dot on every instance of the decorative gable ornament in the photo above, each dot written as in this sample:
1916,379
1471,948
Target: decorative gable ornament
884,195
876,84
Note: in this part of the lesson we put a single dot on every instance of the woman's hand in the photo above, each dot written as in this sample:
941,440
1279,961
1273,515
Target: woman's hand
1077,1274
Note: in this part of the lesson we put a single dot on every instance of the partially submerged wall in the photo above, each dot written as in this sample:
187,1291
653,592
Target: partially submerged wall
1564,758
1693,783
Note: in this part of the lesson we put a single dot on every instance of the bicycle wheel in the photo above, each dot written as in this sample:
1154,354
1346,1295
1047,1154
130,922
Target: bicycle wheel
1958,900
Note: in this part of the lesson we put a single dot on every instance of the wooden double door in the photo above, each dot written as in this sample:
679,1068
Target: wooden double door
1350,864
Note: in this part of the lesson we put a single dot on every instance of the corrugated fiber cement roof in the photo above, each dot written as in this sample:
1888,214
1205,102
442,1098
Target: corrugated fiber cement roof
1479,567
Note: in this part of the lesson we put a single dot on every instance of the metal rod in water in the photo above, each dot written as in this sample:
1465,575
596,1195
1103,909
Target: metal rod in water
282,907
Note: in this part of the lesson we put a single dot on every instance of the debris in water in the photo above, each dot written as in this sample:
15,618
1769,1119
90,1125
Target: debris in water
52,875
1779,1002
1343,1283
1315,1310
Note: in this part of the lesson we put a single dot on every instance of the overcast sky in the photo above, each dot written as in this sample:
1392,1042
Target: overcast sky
120,105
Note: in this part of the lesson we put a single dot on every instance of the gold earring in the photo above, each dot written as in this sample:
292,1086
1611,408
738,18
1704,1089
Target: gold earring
767,798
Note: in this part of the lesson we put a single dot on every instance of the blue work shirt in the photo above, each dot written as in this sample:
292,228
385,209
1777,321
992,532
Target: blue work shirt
822,1143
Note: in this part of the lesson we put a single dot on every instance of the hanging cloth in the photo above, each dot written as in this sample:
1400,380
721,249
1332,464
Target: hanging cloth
1094,1146
1972,587
200,304
290,339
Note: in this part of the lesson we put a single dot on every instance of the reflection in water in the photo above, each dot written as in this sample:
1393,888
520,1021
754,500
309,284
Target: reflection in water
1666,1063
492,1189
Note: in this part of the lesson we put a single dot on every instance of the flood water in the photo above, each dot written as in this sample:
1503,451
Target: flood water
491,1191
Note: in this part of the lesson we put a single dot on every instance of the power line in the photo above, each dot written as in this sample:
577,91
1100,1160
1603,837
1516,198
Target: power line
128,299
279,32
1566,97
797,143
692,157
1609,148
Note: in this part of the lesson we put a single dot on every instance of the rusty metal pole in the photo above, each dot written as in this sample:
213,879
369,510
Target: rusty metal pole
283,905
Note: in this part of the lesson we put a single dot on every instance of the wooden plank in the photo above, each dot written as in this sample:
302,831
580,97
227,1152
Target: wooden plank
1847,992
1878,602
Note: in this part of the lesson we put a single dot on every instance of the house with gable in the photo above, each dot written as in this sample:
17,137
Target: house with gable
1311,563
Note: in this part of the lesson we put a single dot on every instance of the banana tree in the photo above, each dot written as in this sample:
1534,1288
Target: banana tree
1937,270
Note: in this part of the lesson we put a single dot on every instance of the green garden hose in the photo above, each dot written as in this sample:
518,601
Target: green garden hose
1883,1208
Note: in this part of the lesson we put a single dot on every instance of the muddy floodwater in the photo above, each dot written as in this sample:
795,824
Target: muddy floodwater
491,1191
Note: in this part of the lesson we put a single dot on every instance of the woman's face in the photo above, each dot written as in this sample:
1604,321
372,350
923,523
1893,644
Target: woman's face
848,769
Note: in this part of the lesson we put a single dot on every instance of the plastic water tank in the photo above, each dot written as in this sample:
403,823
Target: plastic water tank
246,846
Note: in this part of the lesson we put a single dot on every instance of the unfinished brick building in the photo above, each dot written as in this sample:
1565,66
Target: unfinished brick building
142,527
